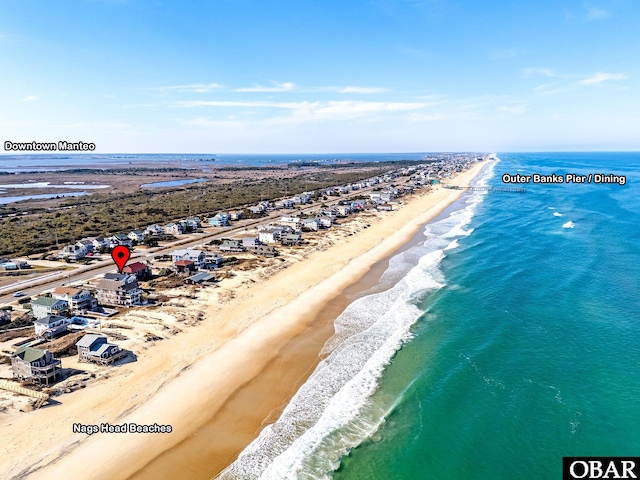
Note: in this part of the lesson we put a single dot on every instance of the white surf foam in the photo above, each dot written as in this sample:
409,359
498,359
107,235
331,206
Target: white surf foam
569,224
557,214
333,411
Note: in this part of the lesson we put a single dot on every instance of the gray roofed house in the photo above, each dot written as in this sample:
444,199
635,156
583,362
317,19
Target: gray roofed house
51,325
96,348
199,278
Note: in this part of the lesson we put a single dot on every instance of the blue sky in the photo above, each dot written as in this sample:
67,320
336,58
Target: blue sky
224,76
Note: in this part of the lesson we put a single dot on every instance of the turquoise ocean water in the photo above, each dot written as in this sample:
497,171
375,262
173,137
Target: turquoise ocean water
507,339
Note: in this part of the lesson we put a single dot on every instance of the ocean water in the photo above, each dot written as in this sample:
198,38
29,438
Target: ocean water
506,340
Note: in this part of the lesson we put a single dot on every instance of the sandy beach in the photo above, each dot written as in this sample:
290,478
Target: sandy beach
215,383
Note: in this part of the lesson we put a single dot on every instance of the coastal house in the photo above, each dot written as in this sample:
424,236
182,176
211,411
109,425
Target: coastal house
384,207
43,306
235,215
201,277
74,252
264,250
5,317
139,269
310,225
35,365
100,244
50,326
95,348
196,256
231,245
220,220
87,244
257,209
270,234
293,222
213,260
290,239
249,243
284,203
154,229
193,223
324,222
174,229
343,210
79,300
120,239
137,236
119,289
185,266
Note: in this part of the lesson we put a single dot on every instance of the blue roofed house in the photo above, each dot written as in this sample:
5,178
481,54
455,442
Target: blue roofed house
220,220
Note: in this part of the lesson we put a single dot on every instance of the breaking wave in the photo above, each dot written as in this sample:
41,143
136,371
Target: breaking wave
334,411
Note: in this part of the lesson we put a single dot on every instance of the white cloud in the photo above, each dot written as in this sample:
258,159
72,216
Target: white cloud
192,88
600,77
595,13
275,87
352,89
302,112
513,109
30,98
540,71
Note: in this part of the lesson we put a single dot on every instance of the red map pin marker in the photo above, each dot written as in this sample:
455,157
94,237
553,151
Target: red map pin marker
120,255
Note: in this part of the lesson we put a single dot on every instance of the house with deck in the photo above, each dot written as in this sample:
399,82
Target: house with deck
198,278
120,239
43,306
290,239
79,300
196,256
100,244
270,234
74,252
174,229
154,229
139,269
185,266
119,289
96,349
310,225
136,236
293,222
220,220
87,244
50,326
231,245
35,365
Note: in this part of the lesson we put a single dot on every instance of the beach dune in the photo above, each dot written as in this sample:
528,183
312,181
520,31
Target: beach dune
215,384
